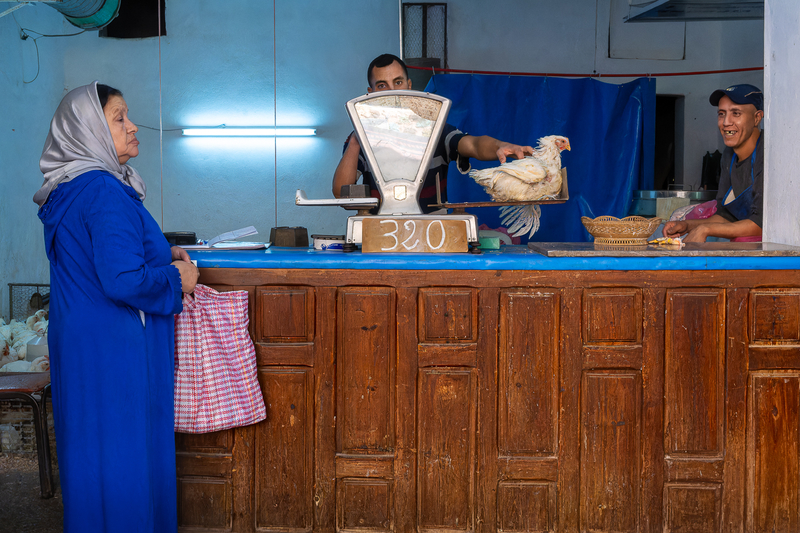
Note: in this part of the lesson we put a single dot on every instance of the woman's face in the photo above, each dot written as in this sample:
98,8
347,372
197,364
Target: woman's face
123,131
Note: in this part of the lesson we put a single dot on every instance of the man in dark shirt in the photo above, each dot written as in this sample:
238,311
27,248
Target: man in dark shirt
388,72
741,184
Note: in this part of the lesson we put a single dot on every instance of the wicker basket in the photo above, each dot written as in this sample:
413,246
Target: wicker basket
629,231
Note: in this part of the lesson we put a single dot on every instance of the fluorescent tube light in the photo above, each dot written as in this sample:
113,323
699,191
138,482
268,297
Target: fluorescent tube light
250,132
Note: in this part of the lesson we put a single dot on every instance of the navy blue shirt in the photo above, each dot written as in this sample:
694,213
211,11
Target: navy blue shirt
743,176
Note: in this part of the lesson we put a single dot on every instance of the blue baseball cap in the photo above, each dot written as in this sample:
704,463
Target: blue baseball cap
740,94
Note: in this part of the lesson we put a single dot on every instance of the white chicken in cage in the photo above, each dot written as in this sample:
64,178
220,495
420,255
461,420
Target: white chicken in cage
14,338
532,178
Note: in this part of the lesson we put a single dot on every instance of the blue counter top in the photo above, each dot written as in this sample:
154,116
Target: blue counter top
507,258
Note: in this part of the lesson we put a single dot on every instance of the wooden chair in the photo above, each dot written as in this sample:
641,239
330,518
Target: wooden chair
23,386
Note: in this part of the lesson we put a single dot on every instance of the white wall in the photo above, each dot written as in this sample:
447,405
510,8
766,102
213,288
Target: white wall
781,82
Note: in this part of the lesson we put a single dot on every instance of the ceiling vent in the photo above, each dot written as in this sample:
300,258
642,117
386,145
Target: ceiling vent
689,10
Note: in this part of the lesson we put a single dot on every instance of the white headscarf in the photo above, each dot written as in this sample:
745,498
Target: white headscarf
80,141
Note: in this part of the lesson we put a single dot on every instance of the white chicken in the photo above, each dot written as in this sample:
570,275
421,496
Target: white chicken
531,178
14,338
40,317
8,354
40,364
17,366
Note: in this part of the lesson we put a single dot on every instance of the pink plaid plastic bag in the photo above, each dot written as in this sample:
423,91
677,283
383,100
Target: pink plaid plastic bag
216,385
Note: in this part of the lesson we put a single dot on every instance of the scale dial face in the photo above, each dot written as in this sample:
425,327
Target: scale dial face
398,129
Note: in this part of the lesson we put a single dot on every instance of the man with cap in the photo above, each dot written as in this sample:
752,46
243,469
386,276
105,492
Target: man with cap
740,110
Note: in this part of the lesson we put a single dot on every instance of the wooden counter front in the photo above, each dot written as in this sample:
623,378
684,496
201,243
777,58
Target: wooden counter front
603,401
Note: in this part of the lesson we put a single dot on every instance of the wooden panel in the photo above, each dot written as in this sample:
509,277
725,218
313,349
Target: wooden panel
325,411
610,451
684,469
734,467
446,460
518,468
365,370
284,314
775,316
528,373
405,453
284,446
216,442
526,506
204,503
243,476
364,504
613,357
569,437
783,357
612,316
694,372
448,315
301,354
486,438
653,307
773,437
692,508
204,465
361,466
448,355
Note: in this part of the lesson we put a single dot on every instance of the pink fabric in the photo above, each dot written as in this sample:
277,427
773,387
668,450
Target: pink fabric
216,385
704,210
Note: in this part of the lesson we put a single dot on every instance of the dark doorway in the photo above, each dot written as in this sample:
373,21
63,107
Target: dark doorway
136,20
666,143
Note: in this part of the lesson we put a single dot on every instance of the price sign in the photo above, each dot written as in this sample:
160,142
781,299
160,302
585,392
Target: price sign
419,235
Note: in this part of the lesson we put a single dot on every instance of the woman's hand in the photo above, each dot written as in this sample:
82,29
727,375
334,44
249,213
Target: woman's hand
179,253
189,273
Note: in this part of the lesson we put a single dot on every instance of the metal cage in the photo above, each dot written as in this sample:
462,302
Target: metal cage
24,299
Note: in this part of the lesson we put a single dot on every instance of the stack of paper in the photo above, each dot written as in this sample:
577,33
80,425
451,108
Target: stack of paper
225,241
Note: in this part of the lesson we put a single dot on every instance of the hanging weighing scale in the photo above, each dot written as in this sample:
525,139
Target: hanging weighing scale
398,132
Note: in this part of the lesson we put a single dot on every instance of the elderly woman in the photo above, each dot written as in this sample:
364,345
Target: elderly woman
115,285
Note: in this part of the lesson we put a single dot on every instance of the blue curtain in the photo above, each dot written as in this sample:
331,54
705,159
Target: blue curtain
610,128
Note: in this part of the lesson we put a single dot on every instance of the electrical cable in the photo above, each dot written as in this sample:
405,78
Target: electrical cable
160,118
36,45
24,36
157,129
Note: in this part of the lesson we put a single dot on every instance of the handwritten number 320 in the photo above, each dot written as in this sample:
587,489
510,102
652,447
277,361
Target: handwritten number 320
411,227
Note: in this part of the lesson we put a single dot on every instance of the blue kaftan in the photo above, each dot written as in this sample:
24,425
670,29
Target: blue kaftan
112,376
